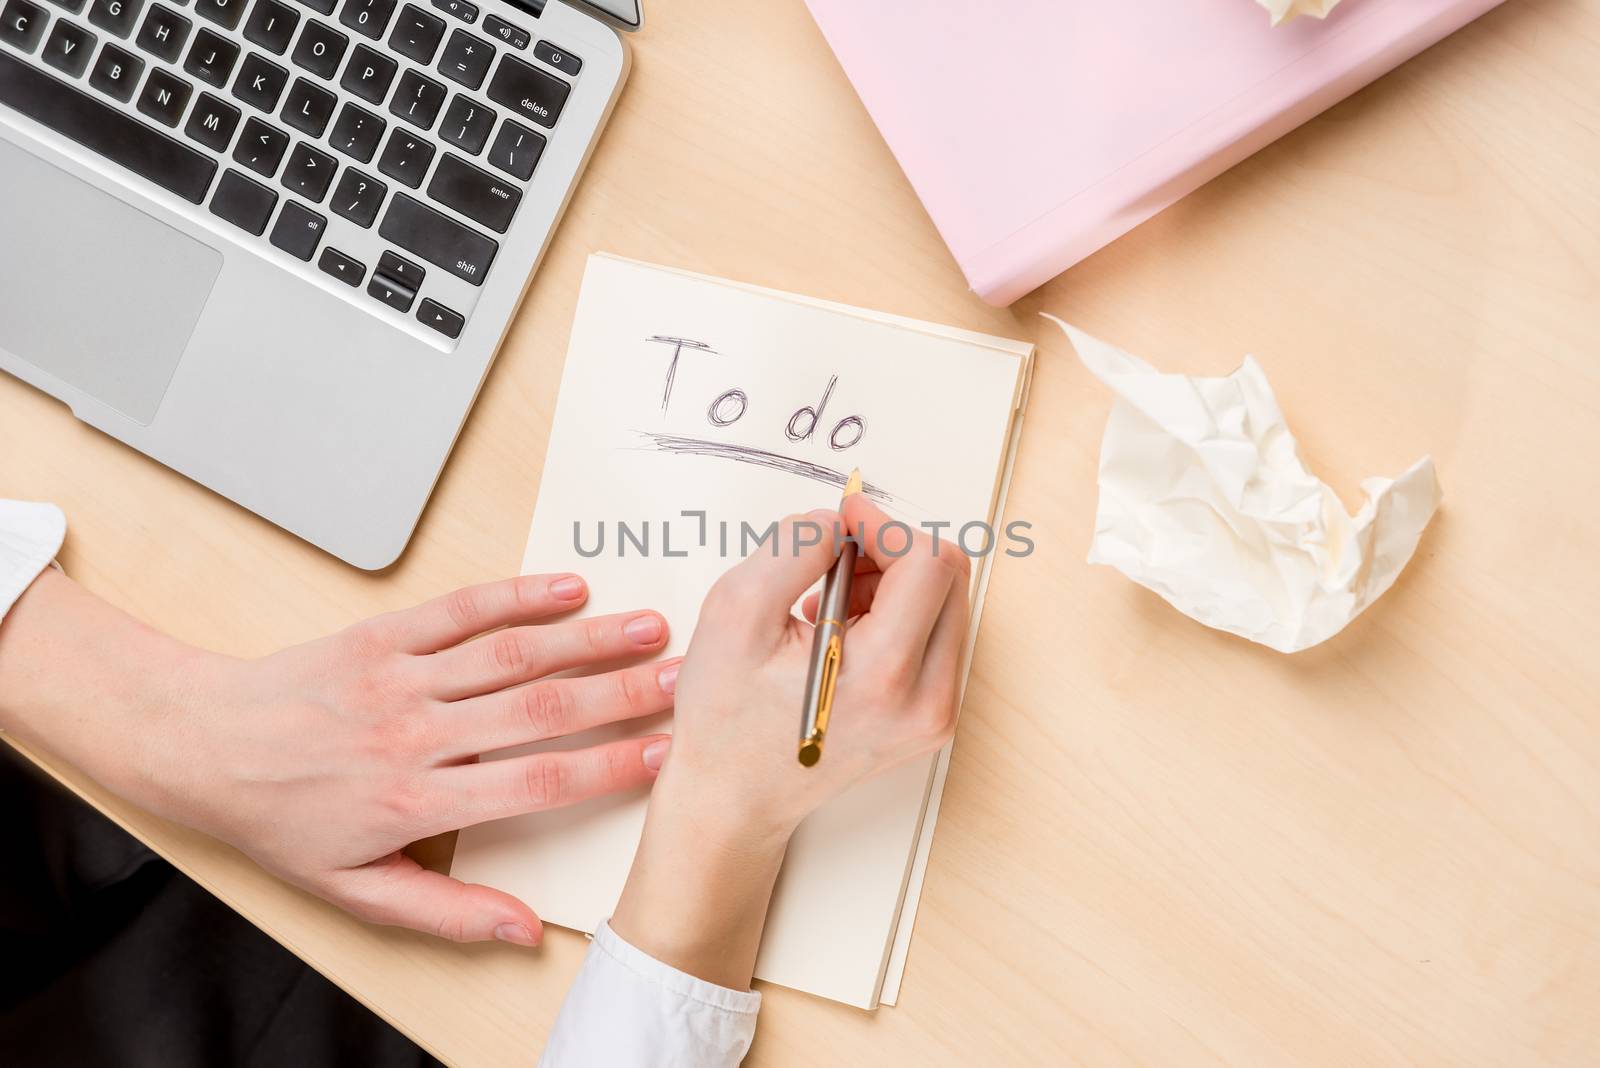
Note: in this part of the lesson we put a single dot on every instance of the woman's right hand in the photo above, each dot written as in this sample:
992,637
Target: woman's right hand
732,790
739,692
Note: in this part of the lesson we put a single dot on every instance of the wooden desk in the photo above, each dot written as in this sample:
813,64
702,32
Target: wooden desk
1159,845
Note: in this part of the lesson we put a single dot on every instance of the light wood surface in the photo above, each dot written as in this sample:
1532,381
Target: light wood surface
1159,845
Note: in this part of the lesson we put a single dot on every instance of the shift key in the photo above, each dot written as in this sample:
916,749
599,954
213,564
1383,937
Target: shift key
439,239
477,194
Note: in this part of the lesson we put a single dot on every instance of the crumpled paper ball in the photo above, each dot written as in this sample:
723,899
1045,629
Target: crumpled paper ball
1287,10
1205,500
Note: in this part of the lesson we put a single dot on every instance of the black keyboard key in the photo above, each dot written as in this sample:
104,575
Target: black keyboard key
244,202
309,172
418,99
116,16
260,82
211,58
320,49
528,91
223,12
22,25
395,294
406,157
461,9
505,33
165,96
369,74
272,25
437,238
467,124
68,47
393,265
516,149
475,193
416,34
346,269
212,122
321,7
358,197
431,313
309,107
357,132
367,17
298,231
73,6
563,61
106,130
466,59
116,72
261,147
163,33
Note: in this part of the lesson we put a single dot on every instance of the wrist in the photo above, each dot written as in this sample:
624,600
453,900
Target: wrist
95,687
166,763
726,820
701,882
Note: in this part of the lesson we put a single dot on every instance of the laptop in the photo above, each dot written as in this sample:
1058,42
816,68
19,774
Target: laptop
274,244
1036,137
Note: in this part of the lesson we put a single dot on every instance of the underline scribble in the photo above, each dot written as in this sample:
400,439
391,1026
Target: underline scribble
745,454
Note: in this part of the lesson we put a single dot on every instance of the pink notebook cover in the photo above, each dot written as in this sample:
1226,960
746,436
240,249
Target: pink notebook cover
1036,131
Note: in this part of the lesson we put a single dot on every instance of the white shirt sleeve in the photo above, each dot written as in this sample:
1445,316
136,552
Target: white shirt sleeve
30,536
627,1008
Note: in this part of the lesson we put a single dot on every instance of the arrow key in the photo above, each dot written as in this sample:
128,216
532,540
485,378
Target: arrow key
433,314
346,269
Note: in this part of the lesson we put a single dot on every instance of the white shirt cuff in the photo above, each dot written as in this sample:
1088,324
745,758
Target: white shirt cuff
30,536
626,1007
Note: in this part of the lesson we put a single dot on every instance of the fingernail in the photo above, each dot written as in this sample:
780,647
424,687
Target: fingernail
655,754
567,589
667,679
516,934
645,630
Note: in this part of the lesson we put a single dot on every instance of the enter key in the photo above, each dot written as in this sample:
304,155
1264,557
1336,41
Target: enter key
475,193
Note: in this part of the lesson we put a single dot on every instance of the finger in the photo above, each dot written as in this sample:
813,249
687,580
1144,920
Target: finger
918,574
862,588
885,540
551,708
498,788
939,686
402,893
471,610
521,654
762,589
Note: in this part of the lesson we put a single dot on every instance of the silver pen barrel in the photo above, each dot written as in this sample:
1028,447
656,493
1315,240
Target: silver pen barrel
827,654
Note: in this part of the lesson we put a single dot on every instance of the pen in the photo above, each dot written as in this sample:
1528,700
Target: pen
827,646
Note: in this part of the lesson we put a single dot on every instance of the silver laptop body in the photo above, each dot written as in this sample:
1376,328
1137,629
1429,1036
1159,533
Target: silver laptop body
278,263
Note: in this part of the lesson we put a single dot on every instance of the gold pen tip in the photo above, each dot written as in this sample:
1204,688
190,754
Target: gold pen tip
810,753
854,485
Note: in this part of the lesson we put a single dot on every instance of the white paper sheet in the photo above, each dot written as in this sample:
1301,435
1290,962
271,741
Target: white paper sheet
1288,10
1205,500
933,411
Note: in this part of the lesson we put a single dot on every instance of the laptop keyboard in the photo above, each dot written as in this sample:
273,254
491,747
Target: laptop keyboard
235,109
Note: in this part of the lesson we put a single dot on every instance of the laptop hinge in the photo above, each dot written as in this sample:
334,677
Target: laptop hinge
625,15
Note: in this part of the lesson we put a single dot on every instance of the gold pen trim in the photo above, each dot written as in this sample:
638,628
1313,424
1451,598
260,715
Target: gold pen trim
811,747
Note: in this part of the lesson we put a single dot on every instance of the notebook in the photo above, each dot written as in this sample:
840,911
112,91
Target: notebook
690,406
1036,131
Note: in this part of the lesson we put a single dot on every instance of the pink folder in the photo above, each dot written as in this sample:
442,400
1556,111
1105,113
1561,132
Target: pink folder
1036,131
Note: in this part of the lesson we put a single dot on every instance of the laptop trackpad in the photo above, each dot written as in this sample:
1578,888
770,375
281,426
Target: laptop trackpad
93,291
